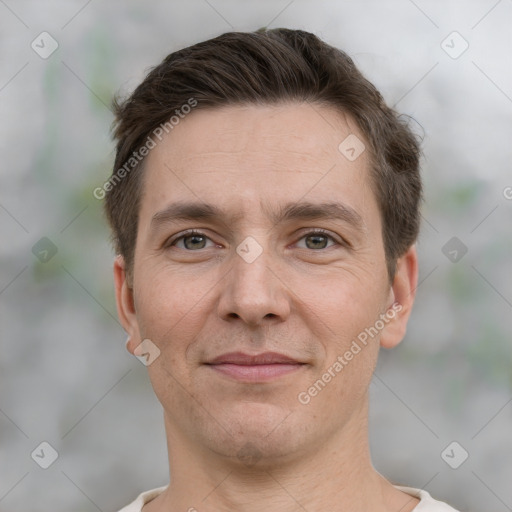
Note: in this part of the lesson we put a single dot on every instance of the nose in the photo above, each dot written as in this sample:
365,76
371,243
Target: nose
254,290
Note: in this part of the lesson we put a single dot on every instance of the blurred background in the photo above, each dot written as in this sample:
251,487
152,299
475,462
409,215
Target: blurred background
441,403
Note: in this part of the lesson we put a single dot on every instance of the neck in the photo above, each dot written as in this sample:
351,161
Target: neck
336,474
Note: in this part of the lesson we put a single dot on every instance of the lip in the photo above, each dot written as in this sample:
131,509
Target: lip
255,368
257,372
265,358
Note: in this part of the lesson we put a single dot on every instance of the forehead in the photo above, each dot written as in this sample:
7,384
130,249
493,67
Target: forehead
242,157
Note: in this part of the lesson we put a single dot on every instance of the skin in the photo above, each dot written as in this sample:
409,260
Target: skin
254,446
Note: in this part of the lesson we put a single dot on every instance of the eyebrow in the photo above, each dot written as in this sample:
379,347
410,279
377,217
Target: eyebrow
200,211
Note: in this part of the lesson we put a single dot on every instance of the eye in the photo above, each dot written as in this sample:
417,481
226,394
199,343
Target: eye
196,240
192,239
317,239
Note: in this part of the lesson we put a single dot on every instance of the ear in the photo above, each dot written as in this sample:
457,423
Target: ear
126,305
402,293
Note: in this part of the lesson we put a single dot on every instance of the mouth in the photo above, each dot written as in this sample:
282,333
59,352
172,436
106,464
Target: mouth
257,372
255,368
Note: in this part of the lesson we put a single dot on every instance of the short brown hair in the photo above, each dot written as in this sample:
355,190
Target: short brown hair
268,67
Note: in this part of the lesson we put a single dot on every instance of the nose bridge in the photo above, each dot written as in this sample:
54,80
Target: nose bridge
252,261
252,291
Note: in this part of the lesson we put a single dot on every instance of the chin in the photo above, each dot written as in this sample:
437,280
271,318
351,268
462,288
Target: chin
260,434
257,452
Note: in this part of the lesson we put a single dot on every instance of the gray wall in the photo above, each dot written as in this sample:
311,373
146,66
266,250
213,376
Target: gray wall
65,376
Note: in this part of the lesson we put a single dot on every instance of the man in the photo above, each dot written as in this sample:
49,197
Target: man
264,206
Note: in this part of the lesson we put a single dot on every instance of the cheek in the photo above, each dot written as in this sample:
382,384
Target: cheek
342,311
343,304
172,310
165,303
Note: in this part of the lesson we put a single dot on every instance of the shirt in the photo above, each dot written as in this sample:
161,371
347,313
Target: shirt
426,504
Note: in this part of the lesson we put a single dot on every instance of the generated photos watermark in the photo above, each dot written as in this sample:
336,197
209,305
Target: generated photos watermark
355,348
150,143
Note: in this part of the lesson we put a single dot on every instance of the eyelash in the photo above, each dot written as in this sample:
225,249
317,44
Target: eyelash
323,232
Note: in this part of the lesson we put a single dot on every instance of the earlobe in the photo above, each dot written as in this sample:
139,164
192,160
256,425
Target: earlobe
125,304
402,293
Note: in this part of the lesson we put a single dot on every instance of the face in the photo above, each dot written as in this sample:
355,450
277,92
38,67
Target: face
289,258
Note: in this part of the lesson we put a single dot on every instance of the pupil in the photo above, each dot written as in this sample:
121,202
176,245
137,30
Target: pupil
194,237
316,238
